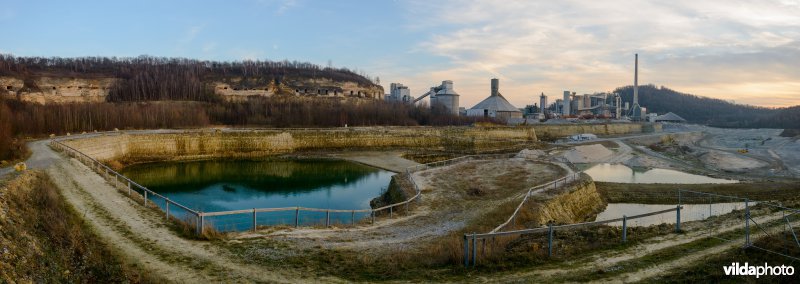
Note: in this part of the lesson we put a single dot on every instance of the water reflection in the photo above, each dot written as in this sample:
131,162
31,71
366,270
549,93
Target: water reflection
690,212
623,174
232,185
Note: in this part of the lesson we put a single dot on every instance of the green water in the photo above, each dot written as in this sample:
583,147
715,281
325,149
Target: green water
211,186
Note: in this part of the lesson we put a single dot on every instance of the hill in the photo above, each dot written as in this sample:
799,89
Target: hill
710,111
146,78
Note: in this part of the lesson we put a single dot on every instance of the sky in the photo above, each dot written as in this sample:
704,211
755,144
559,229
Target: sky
742,51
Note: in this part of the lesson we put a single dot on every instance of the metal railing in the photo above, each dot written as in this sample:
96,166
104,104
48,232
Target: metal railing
199,218
565,180
118,180
754,223
550,229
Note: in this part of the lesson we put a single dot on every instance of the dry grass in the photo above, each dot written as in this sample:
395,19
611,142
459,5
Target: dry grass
45,241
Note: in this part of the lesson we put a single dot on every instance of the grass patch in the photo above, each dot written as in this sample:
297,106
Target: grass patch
44,240
668,193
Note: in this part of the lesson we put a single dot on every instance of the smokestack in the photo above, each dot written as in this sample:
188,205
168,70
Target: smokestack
495,86
636,81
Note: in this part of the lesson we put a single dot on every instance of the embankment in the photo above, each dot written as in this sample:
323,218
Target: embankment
141,146
578,202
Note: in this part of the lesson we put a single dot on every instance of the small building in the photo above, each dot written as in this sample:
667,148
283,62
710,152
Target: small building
669,117
495,106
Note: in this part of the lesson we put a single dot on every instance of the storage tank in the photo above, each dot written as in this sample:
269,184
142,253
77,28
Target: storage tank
447,97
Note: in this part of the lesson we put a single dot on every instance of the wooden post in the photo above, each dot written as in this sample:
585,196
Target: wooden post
129,188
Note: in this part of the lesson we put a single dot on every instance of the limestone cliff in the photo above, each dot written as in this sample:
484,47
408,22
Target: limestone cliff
50,89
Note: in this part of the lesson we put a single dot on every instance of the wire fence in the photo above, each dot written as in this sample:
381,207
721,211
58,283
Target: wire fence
761,225
251,219
765,225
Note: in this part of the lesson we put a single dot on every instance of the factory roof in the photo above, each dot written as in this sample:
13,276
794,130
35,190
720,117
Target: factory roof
497,103
669,117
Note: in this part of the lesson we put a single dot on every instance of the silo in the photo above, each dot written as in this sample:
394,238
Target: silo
495,86
542,102
447,97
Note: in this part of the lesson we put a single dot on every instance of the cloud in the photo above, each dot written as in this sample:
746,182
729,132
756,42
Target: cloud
749,47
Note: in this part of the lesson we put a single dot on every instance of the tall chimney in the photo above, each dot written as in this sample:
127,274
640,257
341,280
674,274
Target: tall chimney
495,86
636,81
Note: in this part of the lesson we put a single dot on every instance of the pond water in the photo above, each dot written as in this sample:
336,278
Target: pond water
623,174
690,212
211,186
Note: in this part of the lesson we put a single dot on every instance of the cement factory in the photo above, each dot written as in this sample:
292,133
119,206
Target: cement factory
570,106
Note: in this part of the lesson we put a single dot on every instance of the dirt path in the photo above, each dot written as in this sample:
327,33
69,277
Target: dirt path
142,234
607,259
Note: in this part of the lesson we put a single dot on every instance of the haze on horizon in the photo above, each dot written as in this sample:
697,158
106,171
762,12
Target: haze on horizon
745,51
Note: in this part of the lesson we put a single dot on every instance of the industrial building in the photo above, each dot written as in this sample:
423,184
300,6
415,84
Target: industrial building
443,95
400,93
495,106
668,117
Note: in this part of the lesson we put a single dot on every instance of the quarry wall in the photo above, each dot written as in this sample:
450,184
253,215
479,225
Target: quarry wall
202,144
579,202
48,90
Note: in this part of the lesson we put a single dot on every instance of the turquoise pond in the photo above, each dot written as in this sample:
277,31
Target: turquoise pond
211,186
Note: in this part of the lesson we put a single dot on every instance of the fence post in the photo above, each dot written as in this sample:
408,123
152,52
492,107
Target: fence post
145,198
297,217
550,240
166,202
678,219
353,217
202,223
255,223
466,251
746,223
327,218
129,188
624,228
390,211
474,250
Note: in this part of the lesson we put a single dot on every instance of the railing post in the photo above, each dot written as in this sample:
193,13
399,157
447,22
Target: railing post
129,188
474,250
297,217
678,219
466,251
390,211
550,240
255,223
202,224
373,216
166,205
746,223
327,218
353,217
624,228
145,198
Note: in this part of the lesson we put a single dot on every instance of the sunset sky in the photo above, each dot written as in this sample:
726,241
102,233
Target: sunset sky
745,51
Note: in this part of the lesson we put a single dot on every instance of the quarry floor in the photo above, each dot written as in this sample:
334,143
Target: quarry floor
143,236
